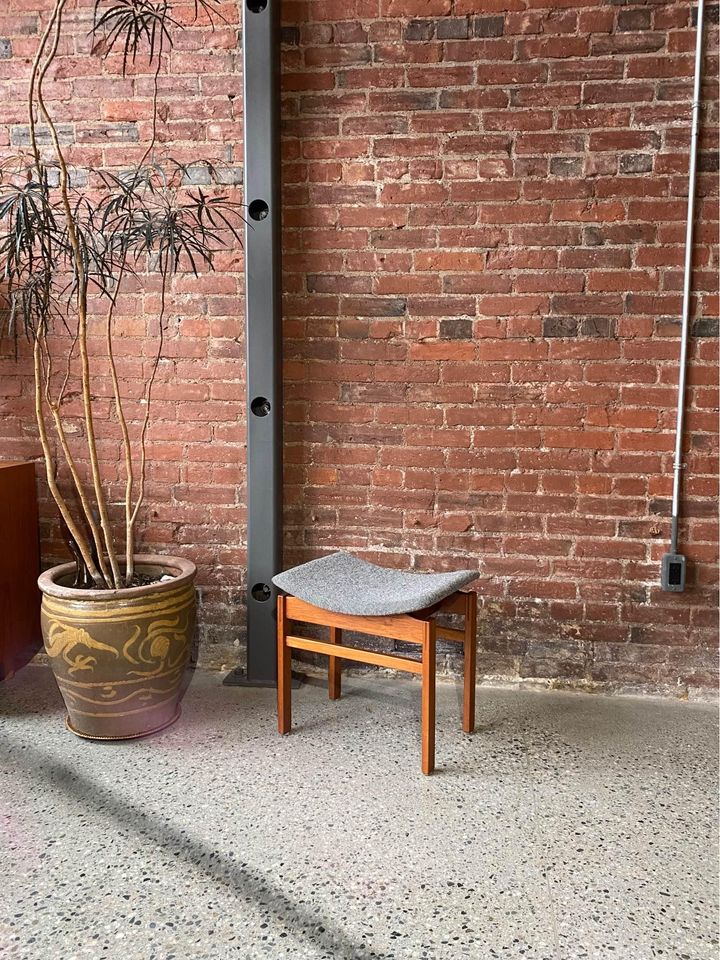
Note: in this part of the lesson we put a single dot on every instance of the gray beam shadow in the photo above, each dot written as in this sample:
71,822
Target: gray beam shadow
222,871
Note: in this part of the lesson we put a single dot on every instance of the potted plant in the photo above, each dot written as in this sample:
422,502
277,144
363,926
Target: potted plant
117,624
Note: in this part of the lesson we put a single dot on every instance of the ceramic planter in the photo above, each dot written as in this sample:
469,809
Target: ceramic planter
119,656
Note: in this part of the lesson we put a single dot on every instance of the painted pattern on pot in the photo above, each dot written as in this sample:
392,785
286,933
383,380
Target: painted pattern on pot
119,656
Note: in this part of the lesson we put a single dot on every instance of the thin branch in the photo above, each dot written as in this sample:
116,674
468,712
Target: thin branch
146,420
74,529
33,78
63,388
62,437
82,330
130,513
122,421
153,134
99,576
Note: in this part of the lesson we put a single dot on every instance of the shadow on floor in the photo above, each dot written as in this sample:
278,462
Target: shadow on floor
18,694
222,870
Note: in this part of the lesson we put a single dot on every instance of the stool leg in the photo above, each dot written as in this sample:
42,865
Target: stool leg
428,699
284,671
334,666
469,666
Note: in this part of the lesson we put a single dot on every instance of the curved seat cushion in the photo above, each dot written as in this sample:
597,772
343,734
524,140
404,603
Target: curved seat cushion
343,583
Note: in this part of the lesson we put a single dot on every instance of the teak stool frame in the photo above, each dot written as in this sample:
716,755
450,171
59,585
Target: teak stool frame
418,627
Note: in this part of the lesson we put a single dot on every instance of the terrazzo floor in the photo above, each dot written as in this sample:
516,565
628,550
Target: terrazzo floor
567,827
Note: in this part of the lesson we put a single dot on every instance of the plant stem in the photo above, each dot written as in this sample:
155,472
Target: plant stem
62,437
127,449
82,329
143,432
130,512
74,529
33,79
99,575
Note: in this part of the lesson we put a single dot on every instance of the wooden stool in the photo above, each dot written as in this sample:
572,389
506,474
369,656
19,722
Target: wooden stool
416,626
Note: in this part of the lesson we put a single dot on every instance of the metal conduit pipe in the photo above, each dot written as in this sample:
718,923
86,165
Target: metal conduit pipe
673,563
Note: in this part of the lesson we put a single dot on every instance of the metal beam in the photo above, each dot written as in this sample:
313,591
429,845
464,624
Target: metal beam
263,333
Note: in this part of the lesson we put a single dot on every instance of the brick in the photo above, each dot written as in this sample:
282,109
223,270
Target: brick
408,8
442,351
113,132
456,328
552,47
336,56
644,42
511,73
635,163
419,30
569,304
578,439
449,260
712,14
635,19
560,327
598,326
566,166
589,211
452,28
20,135
708,162
402,100
439,76
488,26
375,307
706,327
626,92
414,193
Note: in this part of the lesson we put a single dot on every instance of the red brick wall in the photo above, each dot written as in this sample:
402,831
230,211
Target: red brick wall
483,245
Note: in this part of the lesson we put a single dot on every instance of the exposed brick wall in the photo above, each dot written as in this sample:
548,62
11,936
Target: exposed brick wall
483,249
483,245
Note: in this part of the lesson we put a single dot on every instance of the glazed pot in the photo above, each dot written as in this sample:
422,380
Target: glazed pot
119,656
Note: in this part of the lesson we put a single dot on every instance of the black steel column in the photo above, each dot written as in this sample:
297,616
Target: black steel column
263,333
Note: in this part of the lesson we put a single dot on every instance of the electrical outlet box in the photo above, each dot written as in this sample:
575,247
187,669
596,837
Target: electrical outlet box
672,572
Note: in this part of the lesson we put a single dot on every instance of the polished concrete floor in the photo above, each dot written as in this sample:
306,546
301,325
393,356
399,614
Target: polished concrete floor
568,826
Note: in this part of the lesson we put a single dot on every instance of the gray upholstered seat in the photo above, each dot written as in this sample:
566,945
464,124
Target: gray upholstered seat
345,584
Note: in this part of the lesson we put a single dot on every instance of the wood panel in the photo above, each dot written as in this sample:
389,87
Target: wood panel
446,633
455,603
469,663
20,636
334,681
284,671
394,627
427,708
354,653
